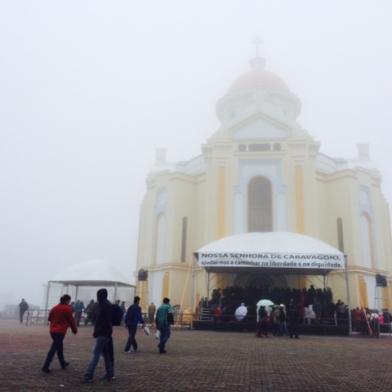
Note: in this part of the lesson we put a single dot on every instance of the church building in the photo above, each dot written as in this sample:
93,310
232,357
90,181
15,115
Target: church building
262,172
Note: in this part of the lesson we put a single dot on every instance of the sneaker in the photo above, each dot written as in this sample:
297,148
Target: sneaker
46,370
64,365
126,351
86,380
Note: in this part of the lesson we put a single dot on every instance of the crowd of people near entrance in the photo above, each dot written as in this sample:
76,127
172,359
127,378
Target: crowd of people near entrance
293,307
104,315
320,301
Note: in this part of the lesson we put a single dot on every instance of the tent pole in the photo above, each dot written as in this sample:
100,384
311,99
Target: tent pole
348,295
47,299
208,285
76,292
193,289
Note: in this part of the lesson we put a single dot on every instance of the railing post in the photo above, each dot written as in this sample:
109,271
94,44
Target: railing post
348,295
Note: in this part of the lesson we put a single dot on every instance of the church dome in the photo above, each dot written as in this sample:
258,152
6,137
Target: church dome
258,91
258,79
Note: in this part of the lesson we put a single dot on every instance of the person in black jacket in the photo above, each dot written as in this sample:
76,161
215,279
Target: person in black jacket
103,338
132,319
293,316
23,307
118,313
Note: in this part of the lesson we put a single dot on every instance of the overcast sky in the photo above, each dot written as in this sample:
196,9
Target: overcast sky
89,90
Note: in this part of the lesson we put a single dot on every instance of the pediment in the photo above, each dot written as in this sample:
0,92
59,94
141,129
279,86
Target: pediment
259,129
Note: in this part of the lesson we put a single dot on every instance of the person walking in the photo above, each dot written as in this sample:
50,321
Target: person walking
151,312
164,318
103,339
78,308
89,310
60,319
132,319
23,307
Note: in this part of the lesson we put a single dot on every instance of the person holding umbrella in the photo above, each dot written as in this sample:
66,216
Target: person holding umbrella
263,317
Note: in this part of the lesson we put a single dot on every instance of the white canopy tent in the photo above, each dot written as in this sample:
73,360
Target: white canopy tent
291,252
284,252
92,273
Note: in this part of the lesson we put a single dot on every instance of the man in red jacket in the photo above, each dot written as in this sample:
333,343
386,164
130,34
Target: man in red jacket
60,318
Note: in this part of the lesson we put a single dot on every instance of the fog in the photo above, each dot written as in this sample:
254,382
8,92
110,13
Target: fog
89,90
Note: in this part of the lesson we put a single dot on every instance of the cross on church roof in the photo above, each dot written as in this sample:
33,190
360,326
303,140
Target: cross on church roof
257,62
257,42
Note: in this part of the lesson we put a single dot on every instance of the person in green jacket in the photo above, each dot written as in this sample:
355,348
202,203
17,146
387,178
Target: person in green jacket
163,320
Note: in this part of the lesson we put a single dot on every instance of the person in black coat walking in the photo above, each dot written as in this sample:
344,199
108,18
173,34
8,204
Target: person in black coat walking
103,338
132,319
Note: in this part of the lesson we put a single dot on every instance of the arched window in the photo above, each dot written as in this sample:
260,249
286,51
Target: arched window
160,254
260,204
367,249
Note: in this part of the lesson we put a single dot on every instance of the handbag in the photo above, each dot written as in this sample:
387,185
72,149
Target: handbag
147,331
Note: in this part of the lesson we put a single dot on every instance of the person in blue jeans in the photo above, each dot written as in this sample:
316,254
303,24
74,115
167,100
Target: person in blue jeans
132,319
103,339
163,319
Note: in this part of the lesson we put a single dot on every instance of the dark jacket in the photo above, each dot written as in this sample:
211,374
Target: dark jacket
134,316
292,313
117,314
103,315
282,315
23,306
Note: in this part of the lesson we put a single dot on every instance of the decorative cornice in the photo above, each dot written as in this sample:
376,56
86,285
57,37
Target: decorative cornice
172,266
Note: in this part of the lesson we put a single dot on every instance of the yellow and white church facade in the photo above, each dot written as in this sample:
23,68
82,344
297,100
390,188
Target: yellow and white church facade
262,172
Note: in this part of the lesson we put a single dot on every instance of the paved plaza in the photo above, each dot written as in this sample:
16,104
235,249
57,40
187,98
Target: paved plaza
200,361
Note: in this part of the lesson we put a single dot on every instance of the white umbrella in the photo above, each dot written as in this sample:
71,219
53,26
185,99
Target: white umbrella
241,312
265,302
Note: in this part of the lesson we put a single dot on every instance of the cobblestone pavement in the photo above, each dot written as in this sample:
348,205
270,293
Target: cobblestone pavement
201,361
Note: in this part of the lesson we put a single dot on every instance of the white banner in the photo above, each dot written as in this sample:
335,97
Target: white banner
271,260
